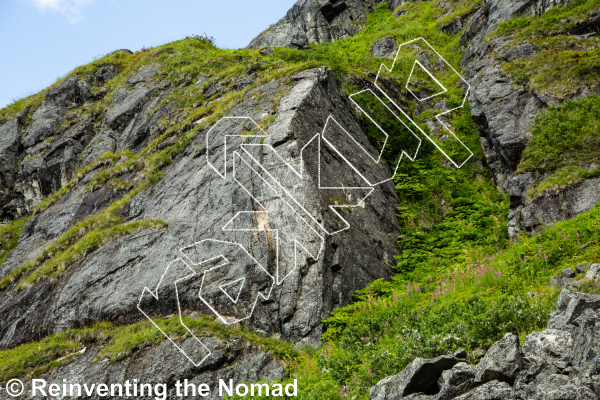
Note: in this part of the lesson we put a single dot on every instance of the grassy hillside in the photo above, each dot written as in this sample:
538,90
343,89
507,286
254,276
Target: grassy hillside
459,282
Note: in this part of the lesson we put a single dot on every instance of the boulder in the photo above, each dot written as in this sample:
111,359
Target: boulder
592,274
570,307
581,268
421,376
586,346
560,282
213,89
493,390
69,94
528,381
283,35
456,381
571,392
267,51
201,80
568,273
501,362
242,83
551,344
384,48
144,74
254,68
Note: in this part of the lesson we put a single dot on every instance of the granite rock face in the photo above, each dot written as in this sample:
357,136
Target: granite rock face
310,21
48,148
561,362
196,203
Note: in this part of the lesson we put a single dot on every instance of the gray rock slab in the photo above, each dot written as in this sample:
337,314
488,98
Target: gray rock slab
550,344
9,151
46,121
501,362
570,306
309,21
493,390
196,203
421,376
144,74
384,48
163,365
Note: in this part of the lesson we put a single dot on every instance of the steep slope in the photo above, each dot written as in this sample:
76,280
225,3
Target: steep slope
117,167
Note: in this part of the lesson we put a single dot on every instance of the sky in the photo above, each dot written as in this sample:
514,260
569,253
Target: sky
42,40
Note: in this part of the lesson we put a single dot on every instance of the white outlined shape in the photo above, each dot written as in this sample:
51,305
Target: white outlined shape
383,68
156,297
232,285
444,90
403,153
229,321
245,158
208,147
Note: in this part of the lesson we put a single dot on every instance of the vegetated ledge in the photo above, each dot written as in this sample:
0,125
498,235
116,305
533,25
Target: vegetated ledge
113,343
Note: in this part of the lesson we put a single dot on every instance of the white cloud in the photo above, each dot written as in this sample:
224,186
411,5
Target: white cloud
72,9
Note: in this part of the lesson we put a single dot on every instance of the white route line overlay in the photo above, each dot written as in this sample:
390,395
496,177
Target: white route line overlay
282,192
381,69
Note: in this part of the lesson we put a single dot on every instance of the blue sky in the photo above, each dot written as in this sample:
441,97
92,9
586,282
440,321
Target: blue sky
42,40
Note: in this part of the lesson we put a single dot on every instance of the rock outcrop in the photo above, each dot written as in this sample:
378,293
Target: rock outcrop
310,21
504,112
42,156
196,203
561,362
162,365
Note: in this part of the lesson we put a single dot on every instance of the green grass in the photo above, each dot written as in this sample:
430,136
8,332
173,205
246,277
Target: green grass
564,63
469,307
117,342
9,236
564,136
561,179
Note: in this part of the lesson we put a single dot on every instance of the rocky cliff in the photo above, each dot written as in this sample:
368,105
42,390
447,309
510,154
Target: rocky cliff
195,203
504,109
215,205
